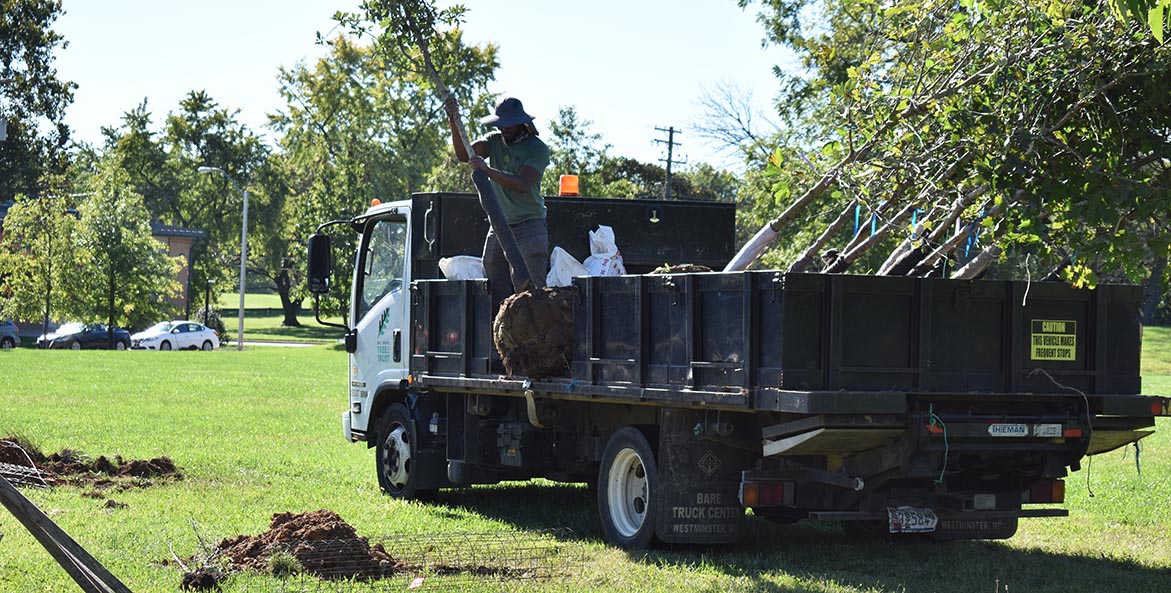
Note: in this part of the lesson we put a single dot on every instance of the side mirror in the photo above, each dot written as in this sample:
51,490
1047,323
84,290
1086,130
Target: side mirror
320,263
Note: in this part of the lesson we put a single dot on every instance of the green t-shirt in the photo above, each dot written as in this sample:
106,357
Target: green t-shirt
518,206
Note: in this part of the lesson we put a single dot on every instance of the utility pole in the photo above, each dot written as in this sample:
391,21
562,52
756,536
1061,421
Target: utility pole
671,144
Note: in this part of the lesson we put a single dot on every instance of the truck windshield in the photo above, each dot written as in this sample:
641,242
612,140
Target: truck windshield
383,271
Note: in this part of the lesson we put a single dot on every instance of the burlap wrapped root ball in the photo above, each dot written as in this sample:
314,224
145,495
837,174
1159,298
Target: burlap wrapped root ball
533,332
680,269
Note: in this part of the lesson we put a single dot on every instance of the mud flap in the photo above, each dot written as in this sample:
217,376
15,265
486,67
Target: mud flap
699,483
962,526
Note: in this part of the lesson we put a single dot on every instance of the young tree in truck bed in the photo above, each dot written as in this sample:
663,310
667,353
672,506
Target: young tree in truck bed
1058,106
333,163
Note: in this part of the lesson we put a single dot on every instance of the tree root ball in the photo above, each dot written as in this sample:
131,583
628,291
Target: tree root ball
533,332
680,269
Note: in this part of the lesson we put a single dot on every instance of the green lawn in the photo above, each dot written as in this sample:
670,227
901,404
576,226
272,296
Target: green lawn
263,320
258,433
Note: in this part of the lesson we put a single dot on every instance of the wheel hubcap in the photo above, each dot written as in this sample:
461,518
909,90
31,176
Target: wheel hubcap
627,492
397,464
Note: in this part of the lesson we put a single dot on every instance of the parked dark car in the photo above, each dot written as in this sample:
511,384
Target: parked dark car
78,336
9,338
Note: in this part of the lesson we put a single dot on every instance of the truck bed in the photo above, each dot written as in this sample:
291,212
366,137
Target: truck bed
814,345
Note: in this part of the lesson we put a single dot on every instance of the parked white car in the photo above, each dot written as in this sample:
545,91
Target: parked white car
176,335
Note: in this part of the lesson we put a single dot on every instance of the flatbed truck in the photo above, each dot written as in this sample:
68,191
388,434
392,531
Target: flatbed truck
895,405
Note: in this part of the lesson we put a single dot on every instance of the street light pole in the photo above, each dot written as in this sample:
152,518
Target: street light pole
243,250
207,302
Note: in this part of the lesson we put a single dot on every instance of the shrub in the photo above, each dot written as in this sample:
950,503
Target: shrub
211,318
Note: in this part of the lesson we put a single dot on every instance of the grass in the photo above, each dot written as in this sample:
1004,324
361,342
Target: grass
258,433
263,320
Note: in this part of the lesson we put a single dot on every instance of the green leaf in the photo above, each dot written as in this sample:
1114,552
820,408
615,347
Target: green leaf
1155,19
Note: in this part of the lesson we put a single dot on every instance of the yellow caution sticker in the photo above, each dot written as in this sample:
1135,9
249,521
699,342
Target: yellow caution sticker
1054,340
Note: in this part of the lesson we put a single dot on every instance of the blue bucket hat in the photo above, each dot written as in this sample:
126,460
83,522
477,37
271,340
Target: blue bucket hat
509,112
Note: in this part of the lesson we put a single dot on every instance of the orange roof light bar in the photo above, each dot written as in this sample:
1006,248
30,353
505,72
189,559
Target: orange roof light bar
569,185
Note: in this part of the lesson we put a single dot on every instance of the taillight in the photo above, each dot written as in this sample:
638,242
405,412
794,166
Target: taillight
766,494
1044,492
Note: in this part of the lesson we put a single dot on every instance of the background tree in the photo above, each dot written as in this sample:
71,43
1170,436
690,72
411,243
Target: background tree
162,164
32,98
128,278
40,263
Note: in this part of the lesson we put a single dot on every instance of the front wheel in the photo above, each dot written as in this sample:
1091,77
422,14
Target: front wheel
165,345
7,343
397,452
628,484
75,345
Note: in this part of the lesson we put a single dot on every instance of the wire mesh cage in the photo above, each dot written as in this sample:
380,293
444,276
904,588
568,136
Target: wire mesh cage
18,468
481,561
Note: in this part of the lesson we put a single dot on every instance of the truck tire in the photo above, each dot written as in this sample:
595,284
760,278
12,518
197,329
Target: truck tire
628,483
7,343
397,449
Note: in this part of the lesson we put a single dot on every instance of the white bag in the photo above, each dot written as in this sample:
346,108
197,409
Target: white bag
462,267
606,259
563,268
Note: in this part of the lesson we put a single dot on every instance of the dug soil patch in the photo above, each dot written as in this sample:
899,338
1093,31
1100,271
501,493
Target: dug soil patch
533,332
69,467
322,543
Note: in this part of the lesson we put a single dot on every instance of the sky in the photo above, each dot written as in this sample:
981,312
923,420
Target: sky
628,67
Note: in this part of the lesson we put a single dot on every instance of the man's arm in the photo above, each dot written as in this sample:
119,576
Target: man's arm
480,148
524,180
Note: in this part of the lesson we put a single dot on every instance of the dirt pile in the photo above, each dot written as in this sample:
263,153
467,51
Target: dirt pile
533,332
71,467
680,269
322,543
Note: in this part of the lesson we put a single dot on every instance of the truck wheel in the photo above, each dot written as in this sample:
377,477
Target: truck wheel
396,453
628,483
7,343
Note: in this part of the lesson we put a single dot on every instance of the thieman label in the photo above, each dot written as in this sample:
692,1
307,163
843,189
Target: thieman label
1053,340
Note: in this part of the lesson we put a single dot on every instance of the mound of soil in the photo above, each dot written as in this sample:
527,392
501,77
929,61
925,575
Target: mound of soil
680,269
75,468
321,541
533,332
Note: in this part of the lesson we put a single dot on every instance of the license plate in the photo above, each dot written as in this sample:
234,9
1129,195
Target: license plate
911,520
1047,430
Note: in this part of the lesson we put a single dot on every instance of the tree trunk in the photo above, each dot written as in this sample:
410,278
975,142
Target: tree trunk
1155,288
110,325
283,288
805,261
